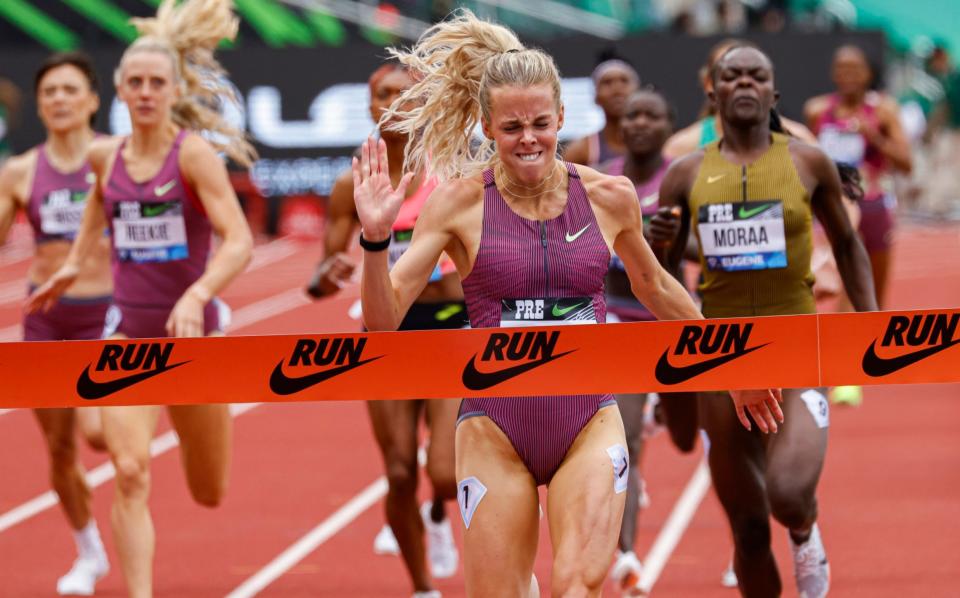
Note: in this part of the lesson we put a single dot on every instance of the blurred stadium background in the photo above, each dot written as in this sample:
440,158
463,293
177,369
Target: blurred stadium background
300,66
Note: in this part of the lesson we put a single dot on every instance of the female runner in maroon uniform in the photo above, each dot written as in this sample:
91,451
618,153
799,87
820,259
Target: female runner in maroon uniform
162,191
50,183
524,230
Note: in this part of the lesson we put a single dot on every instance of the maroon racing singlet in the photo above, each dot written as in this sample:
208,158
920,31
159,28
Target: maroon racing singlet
56,201
161,242
530,273
54,210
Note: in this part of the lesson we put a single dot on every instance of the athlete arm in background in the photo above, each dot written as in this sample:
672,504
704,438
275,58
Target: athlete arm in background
890,139
683,142
11,176
341,222
88,235
813,110
670,226
653,286
577,151
799,131
204,171
853,263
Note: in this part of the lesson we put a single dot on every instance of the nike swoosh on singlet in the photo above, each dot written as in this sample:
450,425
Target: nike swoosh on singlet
90,389
571,238
282,384
559,312
649,200
151,210
477,380
671,374
715,178
162,189
876,366
750,213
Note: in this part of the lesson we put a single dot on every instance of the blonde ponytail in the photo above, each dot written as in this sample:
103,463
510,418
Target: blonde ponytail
459,61
188,33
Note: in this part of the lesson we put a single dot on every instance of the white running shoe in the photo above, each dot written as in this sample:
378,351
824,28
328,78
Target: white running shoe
441,549
430,594
386,543
729,577
626,570
83,576
810,566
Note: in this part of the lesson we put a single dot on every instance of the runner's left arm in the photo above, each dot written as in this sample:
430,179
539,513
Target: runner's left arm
853,263
204,171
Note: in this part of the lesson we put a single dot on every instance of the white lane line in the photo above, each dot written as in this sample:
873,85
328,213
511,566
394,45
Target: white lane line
267,308
313,539
98,476
328,528
673,529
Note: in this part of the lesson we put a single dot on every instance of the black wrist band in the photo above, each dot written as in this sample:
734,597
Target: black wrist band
374,245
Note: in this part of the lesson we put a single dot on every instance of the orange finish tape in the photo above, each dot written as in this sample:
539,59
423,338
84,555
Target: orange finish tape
782,351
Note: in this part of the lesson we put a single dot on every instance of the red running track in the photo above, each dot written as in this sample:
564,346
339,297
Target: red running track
890,495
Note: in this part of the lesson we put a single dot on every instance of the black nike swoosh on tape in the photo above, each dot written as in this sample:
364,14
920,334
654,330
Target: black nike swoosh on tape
283,384
876,366
670,374
626,464
91,390
477,380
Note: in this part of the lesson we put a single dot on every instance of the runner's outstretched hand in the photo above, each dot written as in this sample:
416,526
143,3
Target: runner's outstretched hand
48,293
378,203
763,405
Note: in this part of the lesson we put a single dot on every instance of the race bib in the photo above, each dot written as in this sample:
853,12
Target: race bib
149,232
843,146
745,235
399,245
61,212
515,313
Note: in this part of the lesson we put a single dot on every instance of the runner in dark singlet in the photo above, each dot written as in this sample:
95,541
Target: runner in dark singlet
396,423
531,238
771,185
614,80
646,124
162,191
50,183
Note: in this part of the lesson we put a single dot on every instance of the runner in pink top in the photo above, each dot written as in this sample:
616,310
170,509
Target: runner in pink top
50,183
396,424
531,238
162,191
861,127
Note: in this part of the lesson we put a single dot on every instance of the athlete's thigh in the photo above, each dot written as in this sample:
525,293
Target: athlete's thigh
736,457
631,408
442,421
394,426
500,509
57,426
128,430
206,435
586,497
796,453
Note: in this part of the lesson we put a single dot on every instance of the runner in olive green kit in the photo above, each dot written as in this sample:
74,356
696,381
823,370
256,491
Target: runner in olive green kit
750,199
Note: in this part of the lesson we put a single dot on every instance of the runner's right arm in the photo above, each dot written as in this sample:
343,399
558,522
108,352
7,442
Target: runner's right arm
11,176
341,222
